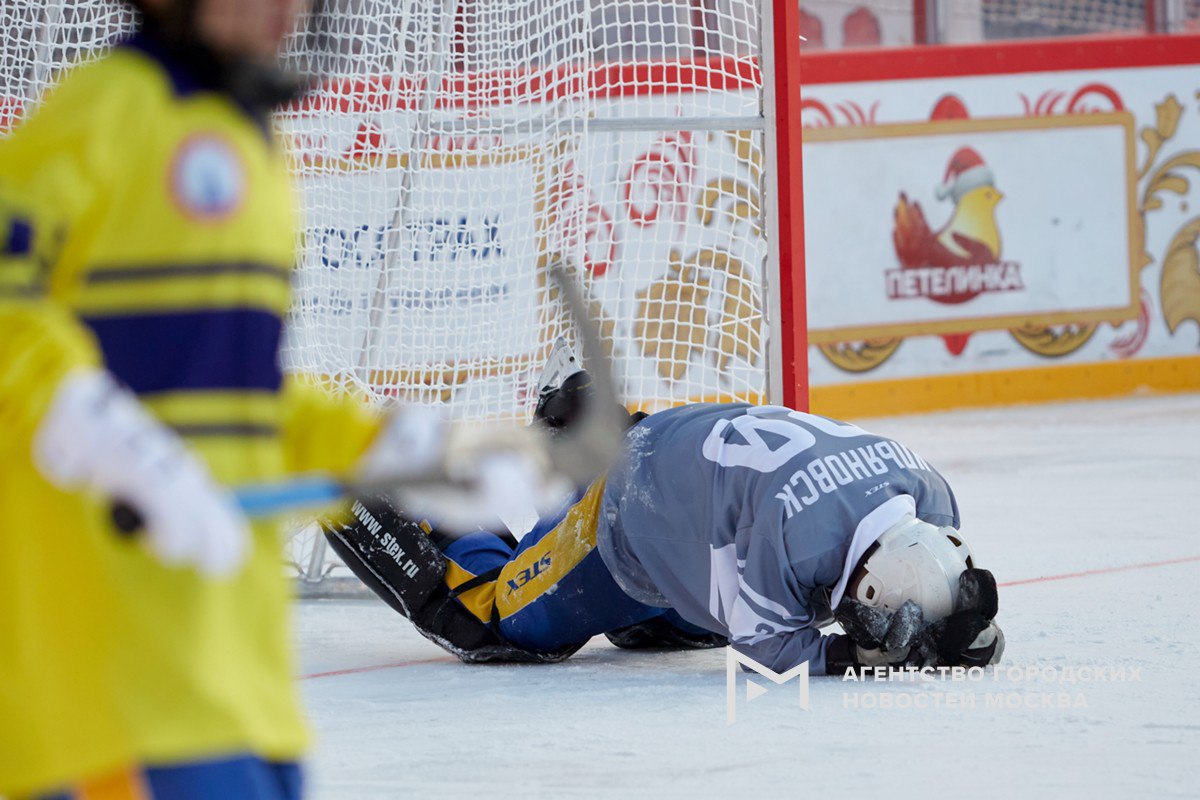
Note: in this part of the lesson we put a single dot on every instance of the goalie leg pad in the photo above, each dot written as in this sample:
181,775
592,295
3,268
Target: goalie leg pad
390,553
399,560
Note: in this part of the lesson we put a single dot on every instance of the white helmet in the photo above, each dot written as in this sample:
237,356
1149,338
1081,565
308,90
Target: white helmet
916,561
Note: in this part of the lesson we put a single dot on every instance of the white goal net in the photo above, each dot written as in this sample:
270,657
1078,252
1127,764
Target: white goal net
452,150
455,150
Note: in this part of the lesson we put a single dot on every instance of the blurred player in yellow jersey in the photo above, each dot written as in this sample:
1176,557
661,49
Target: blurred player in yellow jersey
146,242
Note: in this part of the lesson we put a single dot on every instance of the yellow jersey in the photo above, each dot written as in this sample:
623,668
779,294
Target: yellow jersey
147,225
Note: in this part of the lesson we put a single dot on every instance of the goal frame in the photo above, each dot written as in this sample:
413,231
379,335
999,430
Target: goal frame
787,379
783,276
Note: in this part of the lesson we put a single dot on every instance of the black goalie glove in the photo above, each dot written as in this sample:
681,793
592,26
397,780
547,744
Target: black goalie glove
659,633
560,407
875,637
969,636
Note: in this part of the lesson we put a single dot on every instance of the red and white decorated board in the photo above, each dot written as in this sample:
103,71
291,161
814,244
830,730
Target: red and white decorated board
1095,147
952,226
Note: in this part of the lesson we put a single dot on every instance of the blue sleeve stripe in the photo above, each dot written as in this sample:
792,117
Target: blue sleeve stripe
19,241
103,275
226,349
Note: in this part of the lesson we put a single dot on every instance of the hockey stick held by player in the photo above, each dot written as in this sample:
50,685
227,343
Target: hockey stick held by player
482,471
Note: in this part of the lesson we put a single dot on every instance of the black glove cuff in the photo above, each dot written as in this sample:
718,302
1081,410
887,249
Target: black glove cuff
840,656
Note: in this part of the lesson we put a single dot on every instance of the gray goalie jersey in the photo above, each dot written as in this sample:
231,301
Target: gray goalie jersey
748,520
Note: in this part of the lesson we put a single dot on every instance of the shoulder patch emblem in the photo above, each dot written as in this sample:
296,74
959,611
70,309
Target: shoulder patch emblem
208,179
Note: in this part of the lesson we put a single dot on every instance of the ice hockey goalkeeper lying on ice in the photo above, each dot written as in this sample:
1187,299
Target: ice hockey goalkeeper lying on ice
756,525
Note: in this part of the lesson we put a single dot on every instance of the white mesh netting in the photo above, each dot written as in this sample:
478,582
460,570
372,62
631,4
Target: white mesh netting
40,38
454,149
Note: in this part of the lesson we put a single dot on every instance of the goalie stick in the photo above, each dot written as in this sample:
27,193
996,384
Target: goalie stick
580,454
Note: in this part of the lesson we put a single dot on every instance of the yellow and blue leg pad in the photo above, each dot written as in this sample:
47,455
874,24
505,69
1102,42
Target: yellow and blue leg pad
237,776
551,591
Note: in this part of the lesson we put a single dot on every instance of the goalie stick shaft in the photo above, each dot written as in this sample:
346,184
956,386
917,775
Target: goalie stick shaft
581,454
595,442
301,493
315,491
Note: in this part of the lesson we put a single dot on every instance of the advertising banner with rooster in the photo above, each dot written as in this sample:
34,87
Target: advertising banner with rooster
970,225
1003,223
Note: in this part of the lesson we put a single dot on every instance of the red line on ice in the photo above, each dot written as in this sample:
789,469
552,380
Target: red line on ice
375,667
1043,579
1102,571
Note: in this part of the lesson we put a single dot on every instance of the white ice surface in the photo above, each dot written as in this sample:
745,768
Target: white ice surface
1044,491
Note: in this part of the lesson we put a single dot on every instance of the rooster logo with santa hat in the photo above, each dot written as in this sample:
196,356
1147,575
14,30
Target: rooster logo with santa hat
962,259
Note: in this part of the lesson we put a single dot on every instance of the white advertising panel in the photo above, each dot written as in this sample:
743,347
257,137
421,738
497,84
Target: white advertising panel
1094,175
957,226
